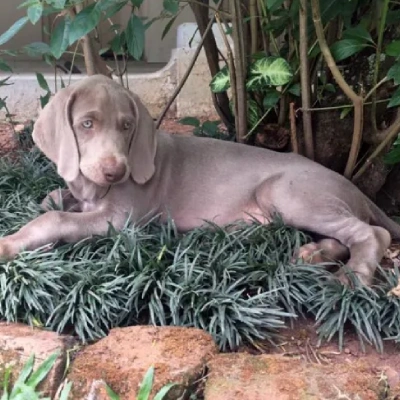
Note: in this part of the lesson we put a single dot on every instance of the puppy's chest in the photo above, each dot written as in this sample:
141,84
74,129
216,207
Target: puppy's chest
87,206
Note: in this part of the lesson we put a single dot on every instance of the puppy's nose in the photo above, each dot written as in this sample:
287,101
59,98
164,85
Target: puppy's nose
113,170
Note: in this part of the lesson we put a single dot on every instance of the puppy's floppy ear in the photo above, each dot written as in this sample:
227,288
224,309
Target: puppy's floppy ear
54,135
143,146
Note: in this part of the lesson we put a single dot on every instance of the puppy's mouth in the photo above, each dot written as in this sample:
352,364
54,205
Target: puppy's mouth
103,174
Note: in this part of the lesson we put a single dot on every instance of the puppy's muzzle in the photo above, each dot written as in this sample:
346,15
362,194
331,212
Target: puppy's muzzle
113,170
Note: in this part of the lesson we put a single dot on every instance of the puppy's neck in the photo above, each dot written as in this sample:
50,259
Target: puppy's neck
85,190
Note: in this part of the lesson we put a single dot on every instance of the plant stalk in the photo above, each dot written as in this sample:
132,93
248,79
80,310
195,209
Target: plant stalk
305,81
355,99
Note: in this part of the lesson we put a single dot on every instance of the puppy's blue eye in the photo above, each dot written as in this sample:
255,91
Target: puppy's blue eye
87,124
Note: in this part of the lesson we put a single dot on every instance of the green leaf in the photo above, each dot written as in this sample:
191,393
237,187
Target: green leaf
5,67
190,121
393,48
66,390
345,112
273,5
294,89
60,38
45,99
168,26
23,375
358,33
253,113
37,49
84,23
134,35
221,81
111,394
146,385
118,43
6,380
164,391
42,82
269,71
346,48
395,99
43,370
114,9
394,73
13,30
271,99
104,5
172,6
59,4
137,3
35,12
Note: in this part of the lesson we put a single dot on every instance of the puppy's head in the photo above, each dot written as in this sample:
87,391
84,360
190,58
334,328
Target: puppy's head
100,130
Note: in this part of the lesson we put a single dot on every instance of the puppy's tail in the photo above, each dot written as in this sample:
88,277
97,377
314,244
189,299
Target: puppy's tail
379,218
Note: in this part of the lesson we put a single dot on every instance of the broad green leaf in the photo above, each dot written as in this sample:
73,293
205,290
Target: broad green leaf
269,71
395,99
84,23
359,33
104,5
221,81
164,391
13,30
60,38
111,394
295,89
59,4
393,48
111,11
271,99
137,3
273,5
172,6
23,375
43,370
42,82
134,35
35,12
118,43
5,67
210,128
146,385
253,113
346,48
394,73
37,49
190,121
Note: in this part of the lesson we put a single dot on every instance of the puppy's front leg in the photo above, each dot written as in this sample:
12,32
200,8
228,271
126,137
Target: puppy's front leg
55,226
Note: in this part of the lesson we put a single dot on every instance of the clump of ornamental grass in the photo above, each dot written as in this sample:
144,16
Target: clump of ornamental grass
236,282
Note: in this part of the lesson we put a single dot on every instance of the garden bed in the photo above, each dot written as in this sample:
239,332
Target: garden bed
238,285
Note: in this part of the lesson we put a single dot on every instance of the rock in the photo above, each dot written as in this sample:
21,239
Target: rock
18,342
248,377
178,355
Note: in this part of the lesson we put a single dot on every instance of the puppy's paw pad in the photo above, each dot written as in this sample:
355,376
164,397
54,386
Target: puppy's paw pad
309,253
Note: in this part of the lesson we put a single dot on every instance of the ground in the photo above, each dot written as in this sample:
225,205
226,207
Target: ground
300,340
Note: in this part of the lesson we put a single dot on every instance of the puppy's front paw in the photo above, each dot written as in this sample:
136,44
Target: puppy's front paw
309,253
7,250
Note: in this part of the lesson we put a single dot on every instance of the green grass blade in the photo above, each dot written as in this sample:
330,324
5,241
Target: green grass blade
146,385
23,375
163,391
43,370
111,394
